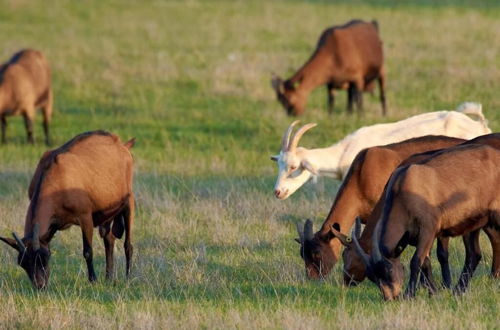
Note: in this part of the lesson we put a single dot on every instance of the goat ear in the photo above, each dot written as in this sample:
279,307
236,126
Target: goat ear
403,242
275,158
11,242
308,166
277,84
344,239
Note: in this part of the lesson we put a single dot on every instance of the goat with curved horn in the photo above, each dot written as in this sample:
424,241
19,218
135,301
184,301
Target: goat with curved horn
296,165
101,166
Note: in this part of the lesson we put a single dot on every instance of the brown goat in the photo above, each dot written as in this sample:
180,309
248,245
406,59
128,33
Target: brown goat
24,87
357,196
86,182
354,268
348,56
449,194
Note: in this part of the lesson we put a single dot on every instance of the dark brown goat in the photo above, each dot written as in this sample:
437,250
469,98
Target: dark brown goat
357,196
86,182
348,56
25,86
354,268
449,194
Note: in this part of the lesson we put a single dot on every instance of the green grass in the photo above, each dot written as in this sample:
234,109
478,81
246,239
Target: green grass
191,81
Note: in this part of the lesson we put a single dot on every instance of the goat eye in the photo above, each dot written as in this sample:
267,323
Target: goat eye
293,168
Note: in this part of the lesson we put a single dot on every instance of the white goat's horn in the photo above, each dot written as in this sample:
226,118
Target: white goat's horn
286,136
295,140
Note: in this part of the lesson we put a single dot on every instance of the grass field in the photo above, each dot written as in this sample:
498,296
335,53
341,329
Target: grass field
191,81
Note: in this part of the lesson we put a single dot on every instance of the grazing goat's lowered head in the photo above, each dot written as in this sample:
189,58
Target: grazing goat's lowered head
315,251
292,99
386,272
33,257
354,268
293,168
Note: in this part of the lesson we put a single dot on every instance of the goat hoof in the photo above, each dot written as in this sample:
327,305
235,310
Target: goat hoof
459,290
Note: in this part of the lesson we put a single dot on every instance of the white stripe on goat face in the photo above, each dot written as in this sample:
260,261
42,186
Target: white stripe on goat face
291,174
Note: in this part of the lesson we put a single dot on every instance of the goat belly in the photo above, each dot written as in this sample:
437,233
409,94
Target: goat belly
101,216
467,225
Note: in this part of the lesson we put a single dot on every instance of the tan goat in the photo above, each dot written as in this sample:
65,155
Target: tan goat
346,57
86,182
449,194
25,86
354,268
357,196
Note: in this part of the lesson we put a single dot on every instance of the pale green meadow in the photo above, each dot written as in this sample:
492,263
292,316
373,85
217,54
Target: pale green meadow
191,81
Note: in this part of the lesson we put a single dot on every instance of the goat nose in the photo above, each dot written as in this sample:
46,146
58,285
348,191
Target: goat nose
277,192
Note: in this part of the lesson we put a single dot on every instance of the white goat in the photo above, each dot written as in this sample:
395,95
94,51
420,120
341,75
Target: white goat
296,165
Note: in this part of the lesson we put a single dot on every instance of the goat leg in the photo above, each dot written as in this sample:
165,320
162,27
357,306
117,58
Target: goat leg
28,123
426,278
4,128
128,215
331,98
381,84
351,94
472,258
87,230
442,255
423,248
494,236
109,245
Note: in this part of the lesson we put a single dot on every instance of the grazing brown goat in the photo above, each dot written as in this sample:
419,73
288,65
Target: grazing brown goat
348,56
354,268
86,182
24,87
449,194
357,196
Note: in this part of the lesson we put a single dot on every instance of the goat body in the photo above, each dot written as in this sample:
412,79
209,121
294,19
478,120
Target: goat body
86,182
297,165
354,268
25,86
358,194
449,194
348,56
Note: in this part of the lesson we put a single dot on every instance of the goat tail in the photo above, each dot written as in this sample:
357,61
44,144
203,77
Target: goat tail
130,143
473,109
375,23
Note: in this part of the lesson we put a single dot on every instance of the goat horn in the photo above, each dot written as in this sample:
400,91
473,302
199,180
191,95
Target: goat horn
308,230
36,237
20,243
295,140
376,254
286,136
357,231
364,256
300,231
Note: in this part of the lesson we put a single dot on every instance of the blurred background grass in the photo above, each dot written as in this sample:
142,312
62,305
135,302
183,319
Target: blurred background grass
191,81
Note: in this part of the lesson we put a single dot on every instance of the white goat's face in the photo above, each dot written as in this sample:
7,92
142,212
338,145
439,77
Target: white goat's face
293,169
291,174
